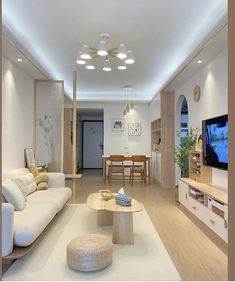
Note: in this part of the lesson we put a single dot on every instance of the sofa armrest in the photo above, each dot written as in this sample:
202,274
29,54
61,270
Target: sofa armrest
56,179
7,228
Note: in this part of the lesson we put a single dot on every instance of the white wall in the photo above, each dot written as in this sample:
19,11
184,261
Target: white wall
155,109
213,102
119,142
17,115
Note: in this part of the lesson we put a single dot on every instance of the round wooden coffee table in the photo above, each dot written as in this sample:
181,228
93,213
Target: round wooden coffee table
123,220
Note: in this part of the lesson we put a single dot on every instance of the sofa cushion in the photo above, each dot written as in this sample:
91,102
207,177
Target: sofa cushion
13,194
28,182
29,223
57,196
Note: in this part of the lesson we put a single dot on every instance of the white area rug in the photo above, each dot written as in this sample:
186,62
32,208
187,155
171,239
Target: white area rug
147,259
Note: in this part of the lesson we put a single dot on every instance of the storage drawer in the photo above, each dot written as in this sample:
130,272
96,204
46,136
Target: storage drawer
218,225
183,193
198,209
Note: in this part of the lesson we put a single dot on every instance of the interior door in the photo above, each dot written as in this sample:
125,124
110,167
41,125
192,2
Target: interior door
92,144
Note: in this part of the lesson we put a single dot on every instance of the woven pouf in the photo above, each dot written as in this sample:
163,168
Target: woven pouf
89,252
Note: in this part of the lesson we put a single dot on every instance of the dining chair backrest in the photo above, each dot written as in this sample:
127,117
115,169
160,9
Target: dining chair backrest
138,160
116,158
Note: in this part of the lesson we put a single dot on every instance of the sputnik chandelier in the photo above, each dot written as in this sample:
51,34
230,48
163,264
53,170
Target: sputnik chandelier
87,55
130,104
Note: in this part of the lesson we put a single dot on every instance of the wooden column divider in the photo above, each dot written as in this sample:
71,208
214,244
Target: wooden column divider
167,139
74,158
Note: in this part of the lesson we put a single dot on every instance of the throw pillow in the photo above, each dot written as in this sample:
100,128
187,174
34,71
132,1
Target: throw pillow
42,181
34,170
21,186
28,182
13,195
42,186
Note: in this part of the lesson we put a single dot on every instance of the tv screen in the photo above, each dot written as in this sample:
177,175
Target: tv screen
215,142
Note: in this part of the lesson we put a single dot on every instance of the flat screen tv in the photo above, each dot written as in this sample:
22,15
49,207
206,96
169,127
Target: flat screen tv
215,142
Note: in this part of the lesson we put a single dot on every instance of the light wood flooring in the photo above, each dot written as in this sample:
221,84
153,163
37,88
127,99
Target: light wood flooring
196,251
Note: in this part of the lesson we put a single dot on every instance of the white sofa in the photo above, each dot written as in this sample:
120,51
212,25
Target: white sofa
22,228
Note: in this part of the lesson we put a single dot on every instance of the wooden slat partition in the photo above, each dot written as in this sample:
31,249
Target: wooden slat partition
167,139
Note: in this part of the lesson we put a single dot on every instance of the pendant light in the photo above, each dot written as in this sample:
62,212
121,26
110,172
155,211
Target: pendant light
130,58
79,60
102,47
85,52
121,53
90,65
122,65
107,65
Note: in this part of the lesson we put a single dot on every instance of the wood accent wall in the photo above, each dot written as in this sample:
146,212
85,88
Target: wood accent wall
167,139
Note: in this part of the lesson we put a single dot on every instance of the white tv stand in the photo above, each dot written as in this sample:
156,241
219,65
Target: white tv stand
207,202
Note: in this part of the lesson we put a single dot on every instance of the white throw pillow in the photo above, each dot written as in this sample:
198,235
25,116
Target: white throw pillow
23,188
27,183
13,195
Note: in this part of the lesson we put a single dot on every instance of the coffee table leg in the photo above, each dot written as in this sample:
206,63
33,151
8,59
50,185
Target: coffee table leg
104,218
123,228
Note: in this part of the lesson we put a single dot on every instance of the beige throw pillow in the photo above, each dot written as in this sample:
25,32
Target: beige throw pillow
13,194
21,186
28,182
42,181
34,170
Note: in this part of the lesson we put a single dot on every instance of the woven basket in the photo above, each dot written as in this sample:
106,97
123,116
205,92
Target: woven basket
90,252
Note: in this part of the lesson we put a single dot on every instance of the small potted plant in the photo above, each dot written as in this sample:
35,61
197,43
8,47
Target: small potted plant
182,151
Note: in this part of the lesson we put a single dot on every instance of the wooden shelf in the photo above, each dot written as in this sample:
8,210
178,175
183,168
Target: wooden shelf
217,193
204,173
155,133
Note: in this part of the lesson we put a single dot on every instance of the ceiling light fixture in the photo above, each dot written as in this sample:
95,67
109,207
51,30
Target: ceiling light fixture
90,66
199,61
87,54
130,58
122,66
107,65
79,60
19,60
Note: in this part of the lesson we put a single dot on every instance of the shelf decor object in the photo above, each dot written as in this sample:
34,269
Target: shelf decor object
87,55
134,129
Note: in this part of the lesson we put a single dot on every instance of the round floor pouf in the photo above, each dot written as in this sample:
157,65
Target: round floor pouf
89,252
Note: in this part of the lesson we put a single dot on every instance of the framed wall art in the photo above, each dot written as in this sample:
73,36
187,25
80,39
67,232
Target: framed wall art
117,124
134,129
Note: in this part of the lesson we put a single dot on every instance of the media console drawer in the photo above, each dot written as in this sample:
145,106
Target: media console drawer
204,209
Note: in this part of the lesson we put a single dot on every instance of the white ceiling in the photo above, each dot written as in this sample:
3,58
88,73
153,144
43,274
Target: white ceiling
161,33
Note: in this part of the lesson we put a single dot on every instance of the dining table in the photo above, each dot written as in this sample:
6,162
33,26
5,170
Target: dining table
127,163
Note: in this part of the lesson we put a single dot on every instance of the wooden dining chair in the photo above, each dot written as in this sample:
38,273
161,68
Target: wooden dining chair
138,168
116,168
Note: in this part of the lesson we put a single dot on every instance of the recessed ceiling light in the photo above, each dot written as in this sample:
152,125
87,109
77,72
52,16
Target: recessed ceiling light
199,61
19,60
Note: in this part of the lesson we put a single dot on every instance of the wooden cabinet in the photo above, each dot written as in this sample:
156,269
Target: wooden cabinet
197,170
198,198
156,165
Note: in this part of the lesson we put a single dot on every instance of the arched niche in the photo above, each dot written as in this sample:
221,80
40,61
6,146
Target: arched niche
181,125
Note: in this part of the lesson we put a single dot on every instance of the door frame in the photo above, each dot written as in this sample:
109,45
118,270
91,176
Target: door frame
91,120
